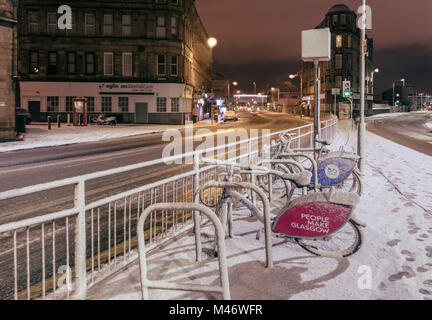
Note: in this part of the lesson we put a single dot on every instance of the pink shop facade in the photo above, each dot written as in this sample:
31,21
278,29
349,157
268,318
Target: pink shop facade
158,103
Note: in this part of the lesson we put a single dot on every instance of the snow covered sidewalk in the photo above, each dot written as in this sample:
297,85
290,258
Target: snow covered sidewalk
397,249
38,135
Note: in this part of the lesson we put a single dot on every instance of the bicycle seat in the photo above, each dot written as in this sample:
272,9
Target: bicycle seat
324,142
301,179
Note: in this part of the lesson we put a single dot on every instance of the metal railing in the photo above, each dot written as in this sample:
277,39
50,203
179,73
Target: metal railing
61,254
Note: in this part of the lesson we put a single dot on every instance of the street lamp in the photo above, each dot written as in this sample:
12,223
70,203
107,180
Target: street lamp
255,87
300,75
401,80
212,42
373,73
278,91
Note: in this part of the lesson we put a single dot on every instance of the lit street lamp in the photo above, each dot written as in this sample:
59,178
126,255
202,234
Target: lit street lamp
300,75
212,42
401,80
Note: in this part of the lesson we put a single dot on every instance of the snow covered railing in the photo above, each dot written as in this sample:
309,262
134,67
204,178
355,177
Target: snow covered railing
61,254
219,233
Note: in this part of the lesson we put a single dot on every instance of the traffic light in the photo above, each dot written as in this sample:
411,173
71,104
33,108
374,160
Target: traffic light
346,89
397,104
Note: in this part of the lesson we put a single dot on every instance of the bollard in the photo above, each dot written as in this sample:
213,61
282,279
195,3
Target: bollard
58,121
49,122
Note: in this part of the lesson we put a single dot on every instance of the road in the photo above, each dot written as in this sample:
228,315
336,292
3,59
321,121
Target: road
29,167
408,130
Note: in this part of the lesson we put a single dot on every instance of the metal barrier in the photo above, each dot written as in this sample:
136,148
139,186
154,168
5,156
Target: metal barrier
264,218
220,238
60,254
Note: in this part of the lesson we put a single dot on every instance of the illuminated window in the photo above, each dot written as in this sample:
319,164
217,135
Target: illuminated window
339,41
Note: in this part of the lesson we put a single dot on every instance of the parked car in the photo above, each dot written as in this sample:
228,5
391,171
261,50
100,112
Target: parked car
24,113
231,115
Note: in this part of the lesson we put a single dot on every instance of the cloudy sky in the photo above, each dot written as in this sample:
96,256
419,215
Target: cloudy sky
259,40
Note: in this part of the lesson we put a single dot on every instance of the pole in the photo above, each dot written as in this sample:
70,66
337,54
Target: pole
316,105
362,126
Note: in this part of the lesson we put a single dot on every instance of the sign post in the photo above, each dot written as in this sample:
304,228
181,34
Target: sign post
316,47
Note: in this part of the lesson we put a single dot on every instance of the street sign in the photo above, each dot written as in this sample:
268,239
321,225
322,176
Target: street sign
336,91
316,45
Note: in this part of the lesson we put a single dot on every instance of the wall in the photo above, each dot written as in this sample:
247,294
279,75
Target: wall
7,92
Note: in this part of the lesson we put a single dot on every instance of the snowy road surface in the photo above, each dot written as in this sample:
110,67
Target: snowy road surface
397,249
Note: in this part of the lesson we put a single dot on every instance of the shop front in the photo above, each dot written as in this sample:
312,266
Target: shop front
140,103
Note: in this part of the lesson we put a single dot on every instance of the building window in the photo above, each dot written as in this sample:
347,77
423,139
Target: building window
108,25
348,20
90,63
343,19
161,65
161,104
71,63
338,82
108,64
349,61
123,103
73,30
349,41
174,66
90,104
52,23
338,62
106,104
339,41
126,25
161,1
127,64
52,62
174,28
175,104
33,22
335,19
175,2
89,24
69,104
160,27
52,104
34,62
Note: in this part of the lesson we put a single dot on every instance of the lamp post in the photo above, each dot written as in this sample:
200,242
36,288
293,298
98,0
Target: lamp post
401,80
373,73
212,42
278,91
362,125
255,87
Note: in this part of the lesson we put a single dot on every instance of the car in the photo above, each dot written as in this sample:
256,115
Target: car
24,113
231,115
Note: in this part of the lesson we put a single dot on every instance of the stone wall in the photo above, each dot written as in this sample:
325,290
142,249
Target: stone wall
7,92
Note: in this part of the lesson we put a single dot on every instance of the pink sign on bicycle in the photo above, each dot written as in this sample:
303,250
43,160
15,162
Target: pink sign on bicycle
312,220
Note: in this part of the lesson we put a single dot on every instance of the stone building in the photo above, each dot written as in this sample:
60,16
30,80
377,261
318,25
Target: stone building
143,61
344,64
7,70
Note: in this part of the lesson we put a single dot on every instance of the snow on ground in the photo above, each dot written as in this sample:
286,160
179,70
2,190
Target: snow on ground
38,135
397,248
428,125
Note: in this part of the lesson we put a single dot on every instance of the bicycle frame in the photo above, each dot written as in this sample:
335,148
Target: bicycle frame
264,218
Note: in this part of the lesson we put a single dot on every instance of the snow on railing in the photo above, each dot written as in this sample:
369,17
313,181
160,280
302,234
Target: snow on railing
61,254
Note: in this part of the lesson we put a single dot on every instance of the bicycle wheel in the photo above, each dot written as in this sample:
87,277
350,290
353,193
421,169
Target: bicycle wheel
280,188
351,184
343,243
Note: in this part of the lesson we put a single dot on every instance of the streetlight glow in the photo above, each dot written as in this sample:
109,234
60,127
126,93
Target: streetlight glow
212,42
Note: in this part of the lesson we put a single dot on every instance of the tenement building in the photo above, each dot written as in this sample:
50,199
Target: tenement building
143,61
7,70
344,65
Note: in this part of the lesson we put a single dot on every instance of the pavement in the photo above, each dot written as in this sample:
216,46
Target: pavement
394,262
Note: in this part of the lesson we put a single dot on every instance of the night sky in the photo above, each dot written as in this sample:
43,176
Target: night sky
259,40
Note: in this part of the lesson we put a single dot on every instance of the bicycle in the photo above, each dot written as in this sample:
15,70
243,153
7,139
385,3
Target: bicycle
323,222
